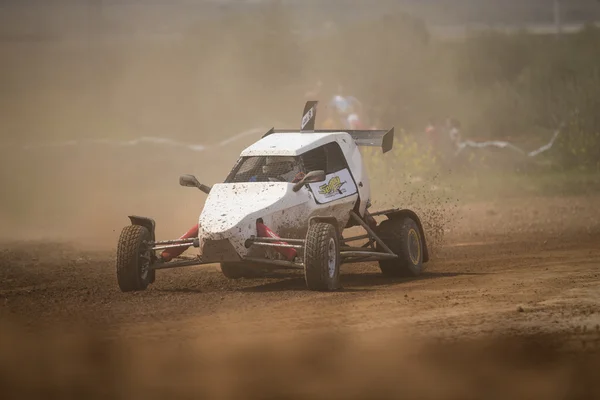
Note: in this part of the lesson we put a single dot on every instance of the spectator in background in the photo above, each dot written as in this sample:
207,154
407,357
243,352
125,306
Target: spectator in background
345,105
354,122
342,105
432,133
453,129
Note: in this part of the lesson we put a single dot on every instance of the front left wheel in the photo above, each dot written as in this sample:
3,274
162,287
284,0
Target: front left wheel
322,257
133,259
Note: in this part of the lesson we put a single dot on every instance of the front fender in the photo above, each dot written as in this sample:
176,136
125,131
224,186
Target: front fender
146,222
331,220
398,214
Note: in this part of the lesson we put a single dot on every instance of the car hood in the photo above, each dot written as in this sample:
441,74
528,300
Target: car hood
234,207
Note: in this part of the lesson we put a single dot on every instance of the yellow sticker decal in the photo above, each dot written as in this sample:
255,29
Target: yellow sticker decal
337,185
332,187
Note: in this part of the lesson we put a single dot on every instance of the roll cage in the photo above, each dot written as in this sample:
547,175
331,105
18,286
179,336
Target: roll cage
328,157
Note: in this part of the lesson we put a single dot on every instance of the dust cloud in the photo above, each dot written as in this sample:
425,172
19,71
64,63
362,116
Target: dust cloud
219,78
70,99
87,81
202,89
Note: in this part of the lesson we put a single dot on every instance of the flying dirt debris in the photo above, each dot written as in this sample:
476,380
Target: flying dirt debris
287,203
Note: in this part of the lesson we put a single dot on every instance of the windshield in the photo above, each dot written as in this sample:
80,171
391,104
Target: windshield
267,169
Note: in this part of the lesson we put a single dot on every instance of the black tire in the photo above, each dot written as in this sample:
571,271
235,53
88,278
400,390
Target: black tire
233,270
133,259
404,238
322,258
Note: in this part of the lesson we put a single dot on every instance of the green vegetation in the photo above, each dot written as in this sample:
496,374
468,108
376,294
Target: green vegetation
518,87
505,87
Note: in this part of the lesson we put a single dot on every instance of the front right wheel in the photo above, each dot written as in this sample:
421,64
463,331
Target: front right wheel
134,257
322,257
403,237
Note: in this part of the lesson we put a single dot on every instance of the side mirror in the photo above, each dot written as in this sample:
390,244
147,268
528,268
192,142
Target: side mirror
191,181
311,177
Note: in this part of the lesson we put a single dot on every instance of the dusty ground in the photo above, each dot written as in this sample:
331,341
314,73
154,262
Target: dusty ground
514,268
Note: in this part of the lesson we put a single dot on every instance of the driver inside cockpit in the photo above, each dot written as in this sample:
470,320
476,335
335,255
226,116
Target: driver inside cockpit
282,169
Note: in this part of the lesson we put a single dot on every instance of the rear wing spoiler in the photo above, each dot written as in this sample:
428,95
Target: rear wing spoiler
367,137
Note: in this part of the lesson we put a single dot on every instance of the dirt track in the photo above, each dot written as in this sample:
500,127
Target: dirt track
514,267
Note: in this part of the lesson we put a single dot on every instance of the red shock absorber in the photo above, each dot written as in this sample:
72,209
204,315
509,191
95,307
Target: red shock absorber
264,231
169,254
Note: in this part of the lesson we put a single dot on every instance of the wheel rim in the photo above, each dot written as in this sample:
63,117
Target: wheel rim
414,246
331,258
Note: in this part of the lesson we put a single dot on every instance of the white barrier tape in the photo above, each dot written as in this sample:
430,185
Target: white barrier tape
241,135
469,143
145,139
546,146
255,131
110,142
479,145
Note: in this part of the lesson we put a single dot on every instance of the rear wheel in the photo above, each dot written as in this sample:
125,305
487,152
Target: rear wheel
322,258
133,259
403,237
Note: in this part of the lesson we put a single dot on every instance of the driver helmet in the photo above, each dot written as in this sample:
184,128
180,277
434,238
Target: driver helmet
278,166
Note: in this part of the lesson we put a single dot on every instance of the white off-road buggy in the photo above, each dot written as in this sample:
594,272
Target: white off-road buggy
287,203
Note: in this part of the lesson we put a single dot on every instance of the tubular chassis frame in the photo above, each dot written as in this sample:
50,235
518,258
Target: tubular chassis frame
348,253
